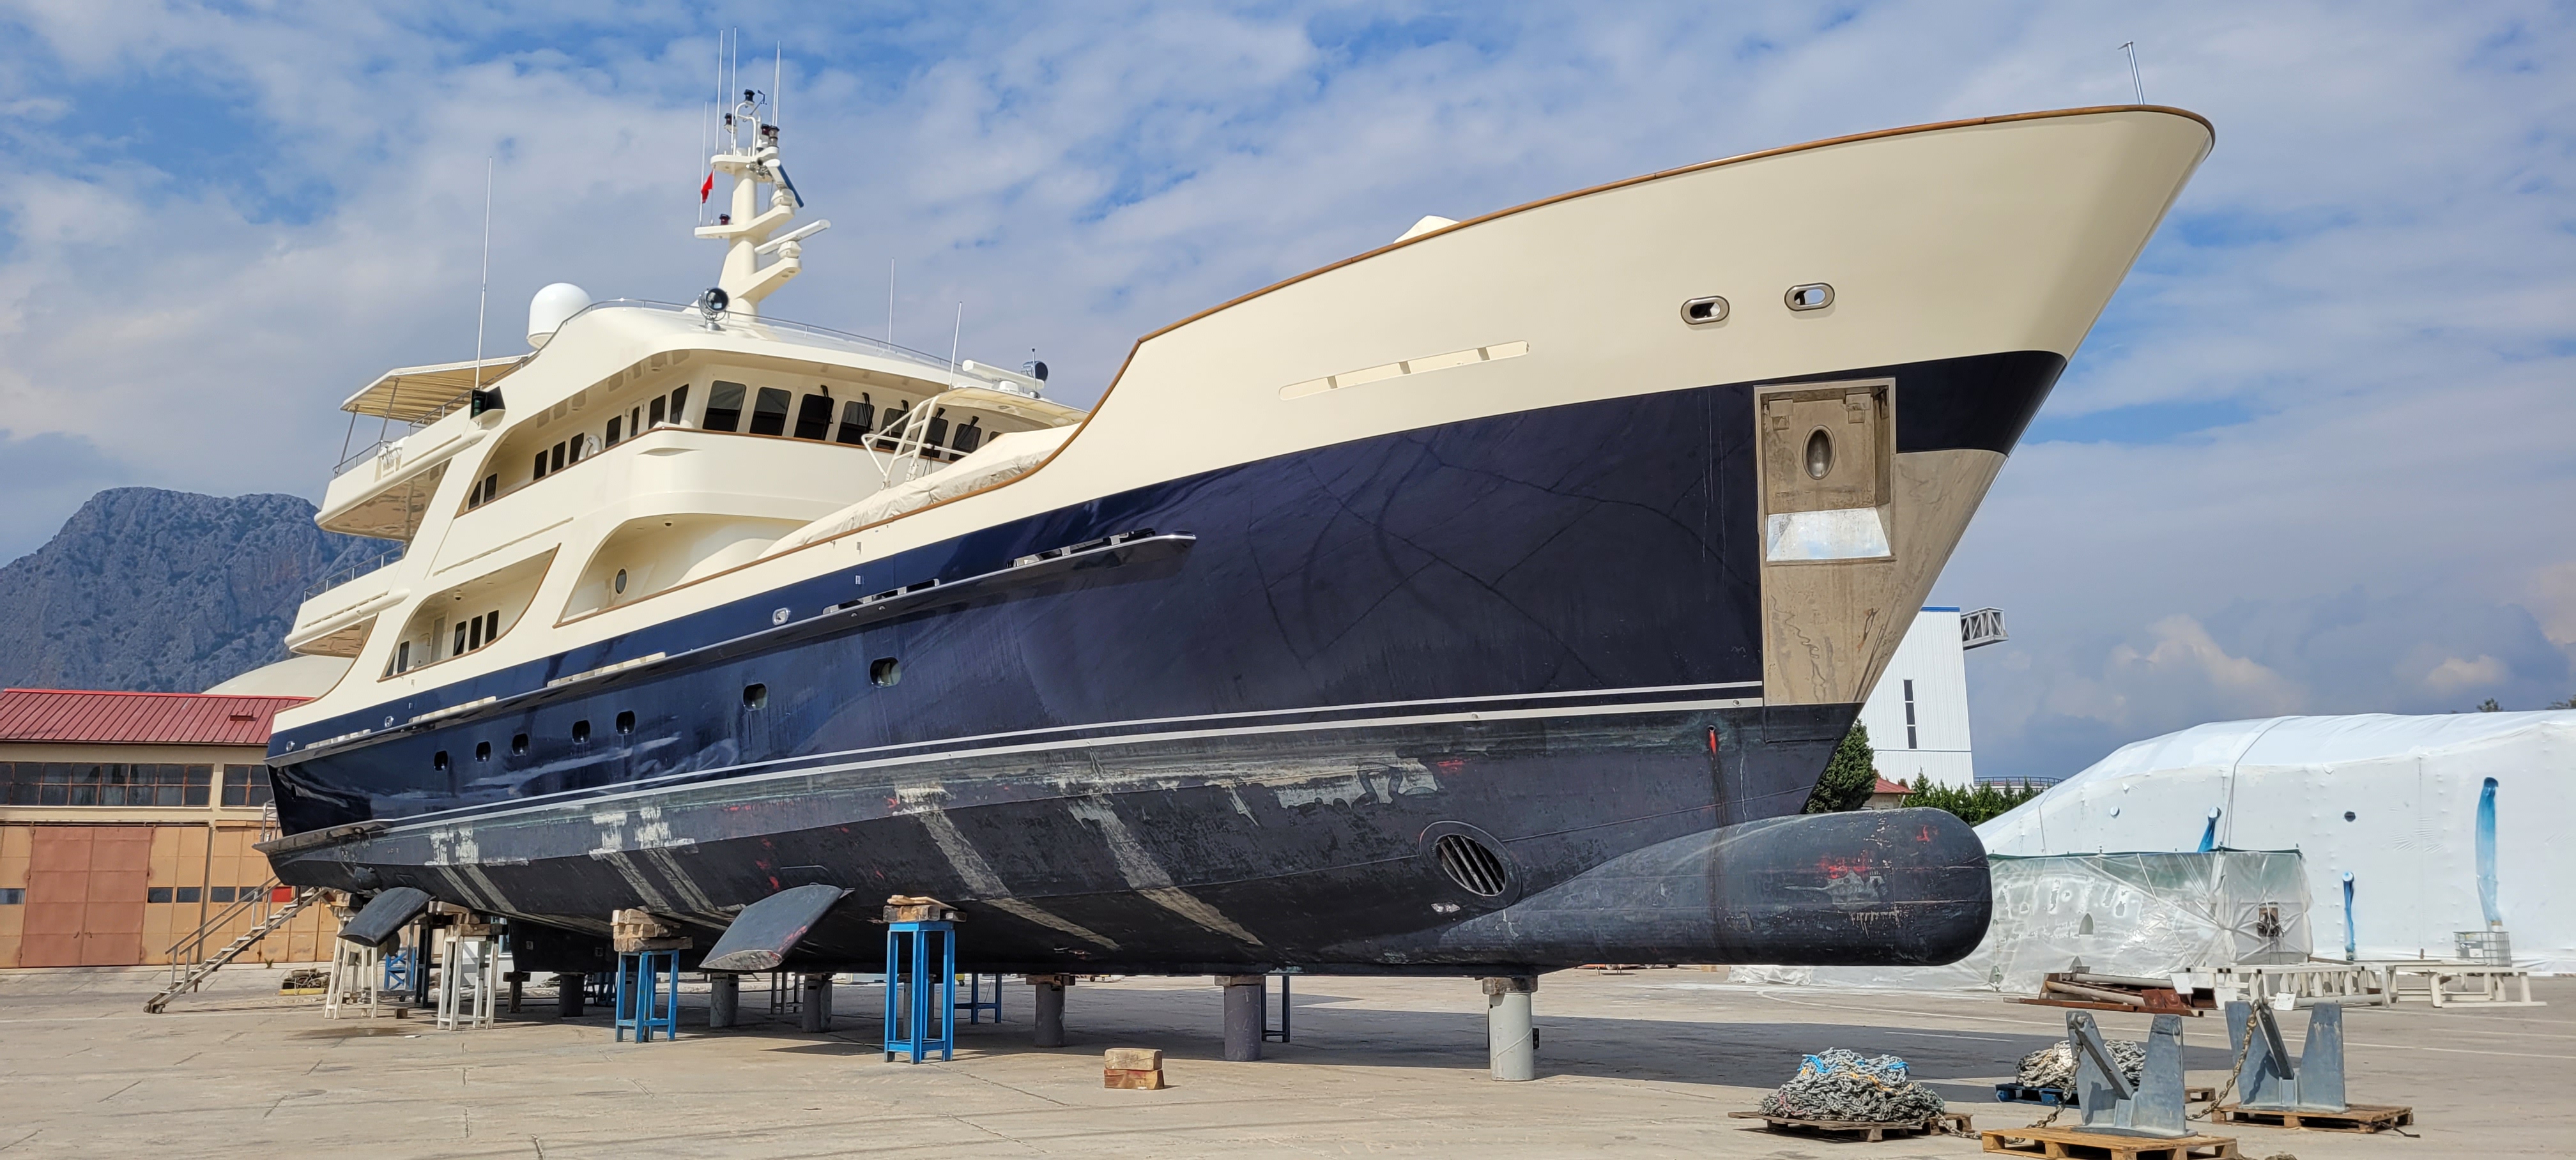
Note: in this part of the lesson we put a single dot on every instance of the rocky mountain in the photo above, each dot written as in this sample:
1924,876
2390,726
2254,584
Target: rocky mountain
164,591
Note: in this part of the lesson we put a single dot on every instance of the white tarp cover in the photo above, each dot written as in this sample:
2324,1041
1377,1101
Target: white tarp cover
2116,914
2437,824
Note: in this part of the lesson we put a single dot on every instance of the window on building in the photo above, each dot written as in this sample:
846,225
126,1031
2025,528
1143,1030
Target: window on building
219,894
156,894
246,785
769,412
82,783
724,407
185,894
814,417
1909,716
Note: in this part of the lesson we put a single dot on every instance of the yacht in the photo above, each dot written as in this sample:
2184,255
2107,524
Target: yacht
1488,600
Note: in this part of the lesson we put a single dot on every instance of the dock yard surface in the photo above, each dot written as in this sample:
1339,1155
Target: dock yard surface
1643,1063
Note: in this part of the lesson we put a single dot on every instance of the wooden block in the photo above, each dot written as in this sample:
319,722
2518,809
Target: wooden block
1119,1077
1135,1059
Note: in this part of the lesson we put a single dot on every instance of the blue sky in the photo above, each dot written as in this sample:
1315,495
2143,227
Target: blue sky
2315,458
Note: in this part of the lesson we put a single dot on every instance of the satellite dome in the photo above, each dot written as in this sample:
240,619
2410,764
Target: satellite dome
553,305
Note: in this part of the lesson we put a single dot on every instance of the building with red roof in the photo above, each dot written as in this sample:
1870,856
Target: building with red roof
126,827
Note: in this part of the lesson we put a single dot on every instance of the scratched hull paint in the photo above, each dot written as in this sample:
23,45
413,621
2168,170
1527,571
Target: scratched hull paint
1538,630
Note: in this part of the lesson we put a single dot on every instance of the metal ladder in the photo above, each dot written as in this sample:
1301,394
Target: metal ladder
188,980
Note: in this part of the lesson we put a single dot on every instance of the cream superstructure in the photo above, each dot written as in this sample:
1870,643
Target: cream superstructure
599,498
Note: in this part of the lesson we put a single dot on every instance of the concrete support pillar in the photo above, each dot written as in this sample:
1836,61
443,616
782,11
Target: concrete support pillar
1511,1042
568,990
1243,996
724,999
1049,991
816,1013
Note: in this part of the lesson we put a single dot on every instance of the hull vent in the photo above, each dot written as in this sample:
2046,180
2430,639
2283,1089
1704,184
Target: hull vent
1474,868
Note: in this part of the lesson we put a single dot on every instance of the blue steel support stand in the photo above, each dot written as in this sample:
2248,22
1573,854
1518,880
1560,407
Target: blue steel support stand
921,958
976,1004
398,970
648,995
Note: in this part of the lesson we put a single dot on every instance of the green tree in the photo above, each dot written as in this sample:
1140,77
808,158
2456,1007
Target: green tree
1849,777
1976,806
2489,706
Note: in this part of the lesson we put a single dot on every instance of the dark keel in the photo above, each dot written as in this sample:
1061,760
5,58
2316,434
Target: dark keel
1536,631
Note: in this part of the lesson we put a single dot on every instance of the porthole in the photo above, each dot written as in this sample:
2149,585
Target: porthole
580,732
621,582
1820,454
885,672
438,761
1812,296
2347,815
1704,311
519,745
626,721
482,751
755,696
1476,869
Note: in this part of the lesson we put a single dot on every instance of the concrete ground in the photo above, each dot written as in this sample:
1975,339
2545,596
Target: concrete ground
1639,1064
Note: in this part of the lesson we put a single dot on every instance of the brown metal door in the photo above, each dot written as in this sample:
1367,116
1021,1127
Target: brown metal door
120,862
85,889
57,893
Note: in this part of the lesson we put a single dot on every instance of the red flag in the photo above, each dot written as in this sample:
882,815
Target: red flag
706,187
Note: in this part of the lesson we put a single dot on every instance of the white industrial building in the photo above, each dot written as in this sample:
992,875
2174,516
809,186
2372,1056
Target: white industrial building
1918,714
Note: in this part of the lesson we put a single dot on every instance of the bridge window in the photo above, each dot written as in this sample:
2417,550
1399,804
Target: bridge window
769,412
616,424
724,407
814,417
970,436
653,414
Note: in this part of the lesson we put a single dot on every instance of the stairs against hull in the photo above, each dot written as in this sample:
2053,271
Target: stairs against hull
189,962
187,977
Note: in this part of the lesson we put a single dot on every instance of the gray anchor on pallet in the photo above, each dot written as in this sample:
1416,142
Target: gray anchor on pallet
2109,1102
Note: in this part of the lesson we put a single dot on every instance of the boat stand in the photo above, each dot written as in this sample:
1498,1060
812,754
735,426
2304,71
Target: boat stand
921,989
647,996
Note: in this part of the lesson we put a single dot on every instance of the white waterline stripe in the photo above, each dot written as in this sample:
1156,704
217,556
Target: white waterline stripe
715,778
695,774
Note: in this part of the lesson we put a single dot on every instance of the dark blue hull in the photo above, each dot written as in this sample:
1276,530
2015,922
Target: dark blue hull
1232,746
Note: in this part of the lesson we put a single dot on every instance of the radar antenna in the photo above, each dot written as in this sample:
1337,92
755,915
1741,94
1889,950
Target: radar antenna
749,155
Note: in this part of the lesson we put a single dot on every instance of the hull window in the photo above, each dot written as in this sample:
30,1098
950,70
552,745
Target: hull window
626,721
755,696
885,672
482,751
814,417
724,407
519,745
438,761
769,412
580,732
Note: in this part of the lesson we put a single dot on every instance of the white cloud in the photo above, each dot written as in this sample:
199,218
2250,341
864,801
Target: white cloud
2455,675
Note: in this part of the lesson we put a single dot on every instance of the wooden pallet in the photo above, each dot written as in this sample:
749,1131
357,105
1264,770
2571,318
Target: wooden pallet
2074,1144
1947,1123
2354,1118
2050,1097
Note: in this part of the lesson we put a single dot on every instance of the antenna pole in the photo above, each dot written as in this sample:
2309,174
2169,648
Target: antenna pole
889,302
953,336
777,76
483,295
2141,86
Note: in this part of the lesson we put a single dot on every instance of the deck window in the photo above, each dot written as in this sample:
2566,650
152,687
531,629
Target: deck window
814,417
856,418
769,412
680,404
539,472
616,424
653,415
970,436
555,458
724,407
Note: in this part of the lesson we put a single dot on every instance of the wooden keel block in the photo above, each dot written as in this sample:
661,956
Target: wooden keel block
2073,1144
1133,1068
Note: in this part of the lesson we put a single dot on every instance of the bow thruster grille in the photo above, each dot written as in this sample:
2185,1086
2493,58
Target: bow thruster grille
1474,868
